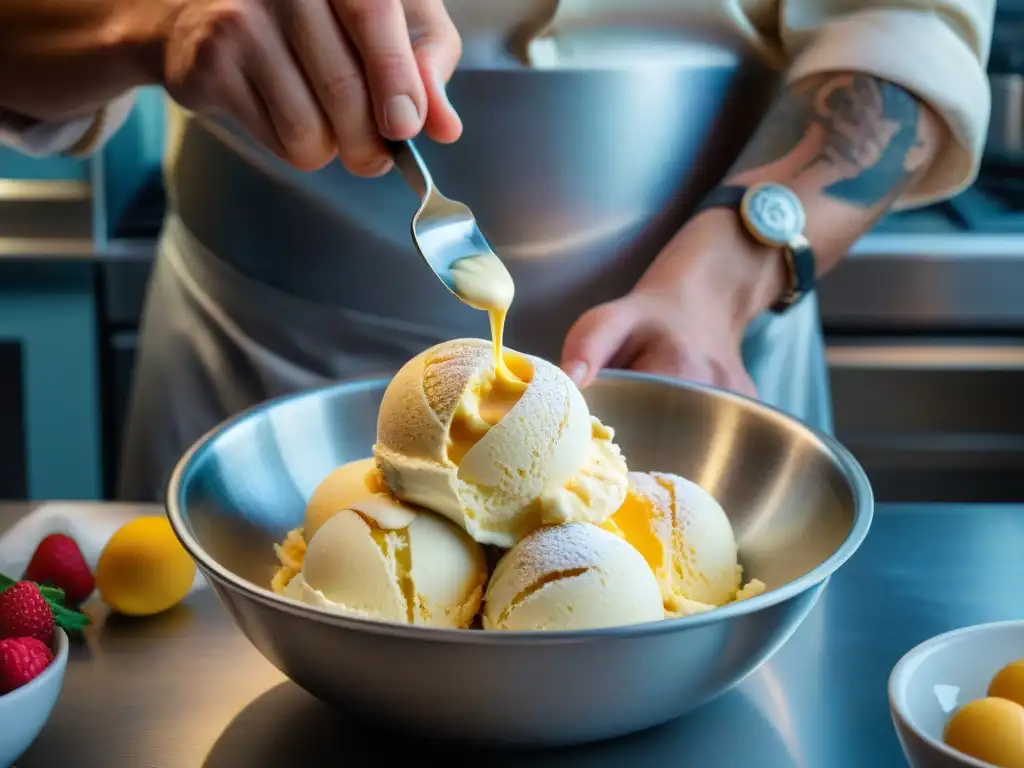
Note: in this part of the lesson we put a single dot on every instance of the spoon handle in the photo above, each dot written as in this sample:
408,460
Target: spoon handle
410,164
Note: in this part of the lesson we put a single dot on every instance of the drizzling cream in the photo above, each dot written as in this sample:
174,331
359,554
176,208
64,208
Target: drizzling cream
484,283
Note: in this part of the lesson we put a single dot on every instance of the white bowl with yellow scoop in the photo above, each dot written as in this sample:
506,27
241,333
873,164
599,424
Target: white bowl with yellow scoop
951,676
797,501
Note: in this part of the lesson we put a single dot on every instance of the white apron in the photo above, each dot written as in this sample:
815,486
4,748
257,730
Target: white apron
270,281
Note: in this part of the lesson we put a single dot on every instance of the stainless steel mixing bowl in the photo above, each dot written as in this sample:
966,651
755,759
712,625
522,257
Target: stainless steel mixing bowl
799,502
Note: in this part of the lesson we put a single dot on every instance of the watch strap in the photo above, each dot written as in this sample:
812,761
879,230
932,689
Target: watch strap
725,196
799,257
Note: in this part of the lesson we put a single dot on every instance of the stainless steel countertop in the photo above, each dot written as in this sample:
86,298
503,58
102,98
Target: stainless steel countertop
187,689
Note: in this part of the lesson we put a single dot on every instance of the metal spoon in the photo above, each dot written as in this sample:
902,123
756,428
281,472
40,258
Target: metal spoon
444,231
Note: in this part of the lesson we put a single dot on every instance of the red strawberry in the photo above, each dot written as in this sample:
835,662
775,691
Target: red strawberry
24,612
22,659
59,561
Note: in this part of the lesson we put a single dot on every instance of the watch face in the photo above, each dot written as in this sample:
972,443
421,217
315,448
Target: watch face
774,213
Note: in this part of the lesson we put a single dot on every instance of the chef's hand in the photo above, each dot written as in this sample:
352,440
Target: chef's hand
648,331
686,316
315,79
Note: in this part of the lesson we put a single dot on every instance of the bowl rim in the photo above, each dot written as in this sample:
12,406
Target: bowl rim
906,667
60,646
863,510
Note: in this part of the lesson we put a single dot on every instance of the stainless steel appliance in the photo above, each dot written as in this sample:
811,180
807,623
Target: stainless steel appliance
925,327
1006,74
54,215
13,468
925,323
48,389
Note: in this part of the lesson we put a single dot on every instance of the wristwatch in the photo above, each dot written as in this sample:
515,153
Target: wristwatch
773,215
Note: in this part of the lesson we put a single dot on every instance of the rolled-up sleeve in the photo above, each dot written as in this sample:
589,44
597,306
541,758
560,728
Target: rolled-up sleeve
937,49
77,137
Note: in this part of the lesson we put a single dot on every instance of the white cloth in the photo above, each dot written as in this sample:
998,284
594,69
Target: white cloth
90,525
38,138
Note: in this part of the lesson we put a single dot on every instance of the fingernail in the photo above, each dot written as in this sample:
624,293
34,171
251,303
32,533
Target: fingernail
401,116
577,372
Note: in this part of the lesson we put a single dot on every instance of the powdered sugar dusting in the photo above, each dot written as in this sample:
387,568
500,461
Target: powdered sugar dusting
557,548
540,444
546,460
418,404
650,486
705,557
447,371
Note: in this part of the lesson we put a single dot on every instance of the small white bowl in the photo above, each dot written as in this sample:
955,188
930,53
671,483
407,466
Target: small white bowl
938,676
24,711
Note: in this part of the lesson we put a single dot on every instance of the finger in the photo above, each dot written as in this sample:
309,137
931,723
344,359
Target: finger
334,72
381,36
745,386
668,361
594,339
245,105
205,75
657,361
734,377
438,48
298,122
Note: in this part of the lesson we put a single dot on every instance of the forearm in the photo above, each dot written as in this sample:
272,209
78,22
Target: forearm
848,144
61,59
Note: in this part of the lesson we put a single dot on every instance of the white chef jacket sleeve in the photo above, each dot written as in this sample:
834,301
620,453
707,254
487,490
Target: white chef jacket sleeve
77,137
937,49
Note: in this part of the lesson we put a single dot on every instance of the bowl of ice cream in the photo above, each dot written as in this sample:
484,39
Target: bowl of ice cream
504,559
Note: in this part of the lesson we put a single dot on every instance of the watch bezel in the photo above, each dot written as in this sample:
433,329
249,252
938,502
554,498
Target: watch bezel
752,222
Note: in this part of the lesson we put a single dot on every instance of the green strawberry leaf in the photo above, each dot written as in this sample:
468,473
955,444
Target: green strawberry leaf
65,618
68,620
52,594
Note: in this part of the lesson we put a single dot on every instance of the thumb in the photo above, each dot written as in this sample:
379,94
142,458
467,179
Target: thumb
594,339
438,48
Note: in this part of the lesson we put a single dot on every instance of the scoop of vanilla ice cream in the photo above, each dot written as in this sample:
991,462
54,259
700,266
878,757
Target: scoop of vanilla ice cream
383,560
498,458
339,490
572,576
687,540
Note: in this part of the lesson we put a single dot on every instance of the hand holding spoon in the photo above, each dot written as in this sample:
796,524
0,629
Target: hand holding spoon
447,236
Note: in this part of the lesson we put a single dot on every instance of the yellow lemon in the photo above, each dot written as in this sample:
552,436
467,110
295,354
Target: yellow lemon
143,569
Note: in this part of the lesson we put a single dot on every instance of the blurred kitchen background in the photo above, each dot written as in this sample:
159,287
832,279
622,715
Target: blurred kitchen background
925,320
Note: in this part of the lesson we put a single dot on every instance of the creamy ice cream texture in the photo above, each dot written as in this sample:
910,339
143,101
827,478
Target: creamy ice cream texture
339,490
687,540
375,557
470,454
573,576
498,456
